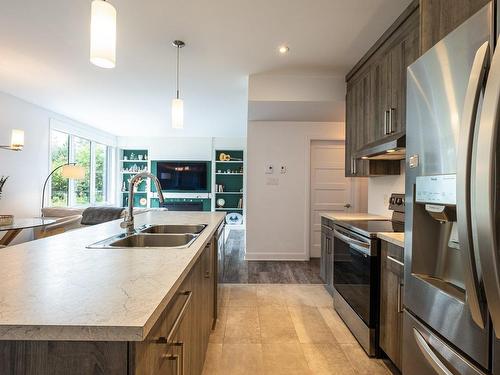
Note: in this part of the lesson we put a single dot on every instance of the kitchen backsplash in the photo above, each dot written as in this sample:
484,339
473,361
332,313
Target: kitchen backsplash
380,189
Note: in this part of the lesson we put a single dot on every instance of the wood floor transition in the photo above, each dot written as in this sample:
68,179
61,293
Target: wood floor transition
240,271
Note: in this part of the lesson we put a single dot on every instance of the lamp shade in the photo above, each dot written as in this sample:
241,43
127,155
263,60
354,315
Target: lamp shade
103,34
177,113
17,139
73,172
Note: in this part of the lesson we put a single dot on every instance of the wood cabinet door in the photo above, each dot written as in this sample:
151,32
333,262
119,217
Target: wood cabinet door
439,17
381,80
402,54
350,124
391,305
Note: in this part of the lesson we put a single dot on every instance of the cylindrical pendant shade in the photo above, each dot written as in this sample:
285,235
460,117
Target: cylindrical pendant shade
103,34
17,139
177,114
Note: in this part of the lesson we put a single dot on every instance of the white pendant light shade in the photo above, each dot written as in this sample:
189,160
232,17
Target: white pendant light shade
17,139
177,114
103,34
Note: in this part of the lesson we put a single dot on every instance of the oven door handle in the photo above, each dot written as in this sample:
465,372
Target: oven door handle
358,245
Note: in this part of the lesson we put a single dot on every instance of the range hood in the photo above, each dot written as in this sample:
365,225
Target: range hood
387,148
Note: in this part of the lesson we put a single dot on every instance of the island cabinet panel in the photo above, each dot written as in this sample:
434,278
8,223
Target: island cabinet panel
440,17
391,297
178,342
175,345
376,94
63,358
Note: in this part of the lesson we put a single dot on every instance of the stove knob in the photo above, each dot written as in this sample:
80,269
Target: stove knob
399,201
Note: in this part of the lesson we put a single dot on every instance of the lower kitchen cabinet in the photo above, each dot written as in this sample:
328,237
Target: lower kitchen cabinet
326,262
391,305
175,345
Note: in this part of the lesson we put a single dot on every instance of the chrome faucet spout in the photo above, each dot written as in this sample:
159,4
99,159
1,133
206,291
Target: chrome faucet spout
128,222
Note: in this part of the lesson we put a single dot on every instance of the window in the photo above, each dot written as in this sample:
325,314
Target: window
93,156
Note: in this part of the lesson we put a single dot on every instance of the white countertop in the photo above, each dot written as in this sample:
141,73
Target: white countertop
57,289
394,238
346,216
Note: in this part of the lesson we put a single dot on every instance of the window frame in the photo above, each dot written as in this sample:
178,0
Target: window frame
107,190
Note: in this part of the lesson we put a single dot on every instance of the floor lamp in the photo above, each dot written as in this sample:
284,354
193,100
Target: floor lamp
70,171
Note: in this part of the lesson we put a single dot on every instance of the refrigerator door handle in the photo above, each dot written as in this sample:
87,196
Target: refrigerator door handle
483,199
469,115
429,355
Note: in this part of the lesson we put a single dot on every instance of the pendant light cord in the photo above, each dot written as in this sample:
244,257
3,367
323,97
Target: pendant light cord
178,50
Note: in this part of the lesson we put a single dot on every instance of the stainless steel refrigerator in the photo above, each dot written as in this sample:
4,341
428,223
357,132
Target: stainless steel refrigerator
452,282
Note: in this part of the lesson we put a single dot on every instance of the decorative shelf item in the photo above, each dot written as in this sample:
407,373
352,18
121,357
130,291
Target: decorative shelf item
229,171
131,162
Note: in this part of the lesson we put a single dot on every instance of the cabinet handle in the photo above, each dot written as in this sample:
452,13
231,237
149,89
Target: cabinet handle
178,320
394,260
353,166
400,299
386,122
207,274
391,118
180,362
174,357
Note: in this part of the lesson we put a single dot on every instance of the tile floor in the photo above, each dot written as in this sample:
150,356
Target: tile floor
283,329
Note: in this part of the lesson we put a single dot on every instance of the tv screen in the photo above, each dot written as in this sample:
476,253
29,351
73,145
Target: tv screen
182,176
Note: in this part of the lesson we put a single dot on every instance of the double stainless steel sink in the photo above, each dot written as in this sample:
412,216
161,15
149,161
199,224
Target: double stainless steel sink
153,236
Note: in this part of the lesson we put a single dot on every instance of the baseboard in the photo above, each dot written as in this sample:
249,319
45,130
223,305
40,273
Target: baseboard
276,256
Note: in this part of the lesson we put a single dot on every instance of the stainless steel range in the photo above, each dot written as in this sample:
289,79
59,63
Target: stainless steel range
356,272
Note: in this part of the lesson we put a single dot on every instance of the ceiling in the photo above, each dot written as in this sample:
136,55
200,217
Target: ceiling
44,56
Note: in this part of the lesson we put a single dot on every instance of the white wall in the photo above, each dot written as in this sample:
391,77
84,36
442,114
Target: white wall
277,215
29,168
380,189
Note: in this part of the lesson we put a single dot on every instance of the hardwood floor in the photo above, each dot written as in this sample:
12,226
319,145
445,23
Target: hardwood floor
238,270
283,329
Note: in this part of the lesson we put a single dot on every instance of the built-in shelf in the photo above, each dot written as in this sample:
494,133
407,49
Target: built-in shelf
123,172
229,161
229,174
228,192
135,192
228,209
133,161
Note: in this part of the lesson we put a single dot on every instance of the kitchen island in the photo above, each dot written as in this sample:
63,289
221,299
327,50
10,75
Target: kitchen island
71,309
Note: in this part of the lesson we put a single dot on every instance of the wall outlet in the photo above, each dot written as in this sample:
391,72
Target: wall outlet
274,181
269,169
283,169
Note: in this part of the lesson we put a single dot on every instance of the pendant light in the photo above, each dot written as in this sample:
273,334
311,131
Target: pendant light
177,103
103,34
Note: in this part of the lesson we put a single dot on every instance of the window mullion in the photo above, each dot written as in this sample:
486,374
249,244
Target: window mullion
71,182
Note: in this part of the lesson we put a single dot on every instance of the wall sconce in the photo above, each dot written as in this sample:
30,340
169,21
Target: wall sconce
16,141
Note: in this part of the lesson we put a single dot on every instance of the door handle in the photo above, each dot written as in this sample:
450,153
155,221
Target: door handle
347,205
429,355
469,115
484,227
400,297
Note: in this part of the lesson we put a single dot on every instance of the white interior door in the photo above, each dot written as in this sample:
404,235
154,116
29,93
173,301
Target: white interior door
330,189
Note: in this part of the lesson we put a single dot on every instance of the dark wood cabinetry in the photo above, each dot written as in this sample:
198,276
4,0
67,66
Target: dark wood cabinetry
376,94
175,345
326,262
391,297
440,17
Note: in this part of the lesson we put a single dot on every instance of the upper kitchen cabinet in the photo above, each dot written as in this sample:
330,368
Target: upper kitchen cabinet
440,17
376,96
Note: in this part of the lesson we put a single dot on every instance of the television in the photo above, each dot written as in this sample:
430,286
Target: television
183,175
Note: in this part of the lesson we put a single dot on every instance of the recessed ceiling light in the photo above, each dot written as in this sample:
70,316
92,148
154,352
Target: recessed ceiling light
284,49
